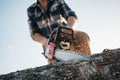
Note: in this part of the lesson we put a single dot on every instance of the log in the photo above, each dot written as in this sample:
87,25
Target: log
105,66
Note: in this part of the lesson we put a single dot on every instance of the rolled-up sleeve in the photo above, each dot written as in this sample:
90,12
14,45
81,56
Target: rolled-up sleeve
32,24
65,10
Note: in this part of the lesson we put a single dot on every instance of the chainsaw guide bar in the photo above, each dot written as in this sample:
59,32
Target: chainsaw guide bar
66,55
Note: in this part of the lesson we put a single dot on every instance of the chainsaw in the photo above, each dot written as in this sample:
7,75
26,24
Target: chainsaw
59,46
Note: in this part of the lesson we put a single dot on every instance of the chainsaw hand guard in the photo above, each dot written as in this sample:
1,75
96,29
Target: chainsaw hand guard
50,50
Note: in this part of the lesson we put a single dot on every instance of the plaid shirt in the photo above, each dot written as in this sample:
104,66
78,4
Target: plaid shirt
43,22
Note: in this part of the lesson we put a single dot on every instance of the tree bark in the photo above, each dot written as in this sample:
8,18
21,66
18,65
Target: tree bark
105,66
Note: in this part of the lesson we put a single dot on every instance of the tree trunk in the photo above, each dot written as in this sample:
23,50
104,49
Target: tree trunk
105,66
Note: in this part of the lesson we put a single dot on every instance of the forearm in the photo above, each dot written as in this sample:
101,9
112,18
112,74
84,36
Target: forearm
71,21
37,37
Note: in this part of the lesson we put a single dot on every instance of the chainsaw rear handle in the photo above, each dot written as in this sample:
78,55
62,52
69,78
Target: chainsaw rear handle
64,31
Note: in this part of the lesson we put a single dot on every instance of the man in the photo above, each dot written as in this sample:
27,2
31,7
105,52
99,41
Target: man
46,15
